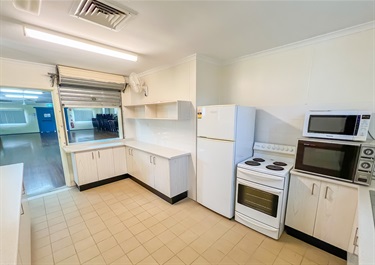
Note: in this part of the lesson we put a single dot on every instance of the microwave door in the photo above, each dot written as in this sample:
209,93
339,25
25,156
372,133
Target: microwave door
327,159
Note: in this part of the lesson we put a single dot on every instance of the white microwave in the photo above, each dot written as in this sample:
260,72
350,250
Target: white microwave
336,124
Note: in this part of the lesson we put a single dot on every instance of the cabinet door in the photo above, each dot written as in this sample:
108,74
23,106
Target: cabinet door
86,167
302,203
145,167
104,163
162,175
129,160
335,214
119,161
140,162
353,241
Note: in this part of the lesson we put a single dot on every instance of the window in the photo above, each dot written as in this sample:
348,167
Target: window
83,115
12,116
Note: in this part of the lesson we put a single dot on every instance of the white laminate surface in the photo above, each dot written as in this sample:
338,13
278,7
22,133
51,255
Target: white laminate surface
165,152
11,177
92,146
366,229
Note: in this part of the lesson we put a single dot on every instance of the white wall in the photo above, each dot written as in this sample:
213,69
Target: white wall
177,82
31,125
332,72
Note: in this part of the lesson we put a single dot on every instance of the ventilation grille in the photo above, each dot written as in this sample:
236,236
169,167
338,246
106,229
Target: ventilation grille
103,14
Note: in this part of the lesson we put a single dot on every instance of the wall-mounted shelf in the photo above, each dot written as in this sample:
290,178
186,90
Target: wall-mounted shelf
169,110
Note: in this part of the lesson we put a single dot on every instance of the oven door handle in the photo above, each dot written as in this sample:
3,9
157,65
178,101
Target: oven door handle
258,175
249,220
260,187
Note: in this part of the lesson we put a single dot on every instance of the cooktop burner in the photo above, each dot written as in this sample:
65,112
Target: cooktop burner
252,163
273,167
281,164
257,159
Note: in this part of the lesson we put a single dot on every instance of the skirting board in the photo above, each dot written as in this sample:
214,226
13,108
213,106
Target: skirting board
316,242
101,182
172,200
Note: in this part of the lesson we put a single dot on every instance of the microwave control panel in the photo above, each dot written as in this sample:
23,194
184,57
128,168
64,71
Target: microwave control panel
365,166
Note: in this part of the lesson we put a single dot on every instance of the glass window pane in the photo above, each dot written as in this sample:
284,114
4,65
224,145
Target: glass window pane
12,116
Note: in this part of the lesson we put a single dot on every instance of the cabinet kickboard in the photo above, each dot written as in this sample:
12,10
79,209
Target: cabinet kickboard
172,200
101,182
316,242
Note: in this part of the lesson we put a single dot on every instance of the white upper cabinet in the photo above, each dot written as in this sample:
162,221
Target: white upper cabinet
171,110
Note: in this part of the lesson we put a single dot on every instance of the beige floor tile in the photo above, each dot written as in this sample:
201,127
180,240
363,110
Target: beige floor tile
306,261
39,226
188,255
162,254
64,253
124,260
73,260
294,244
143,216
213,255
166,236
123,236
174,261
201,245
256,237
333,260
238,255
40,234
316,255
131,221
107,244
37,220
145,236
138,228
113,254
224,246
90,215
178,229
57,227
100,236
280,261
254,261
290,256
117,228
77,228
148,261
227,261
158,229
233,236
149,222
130,244
97,228
59,235
272,245
83,244
88,254
264,256
176,245
72,215
112,221
137,254
247,245
188,236
74,221
78,236
53,215
40,242
47,260
62,243
153,245
201,261
41,252
98,260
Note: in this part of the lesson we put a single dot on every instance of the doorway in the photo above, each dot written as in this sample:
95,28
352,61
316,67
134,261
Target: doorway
28,135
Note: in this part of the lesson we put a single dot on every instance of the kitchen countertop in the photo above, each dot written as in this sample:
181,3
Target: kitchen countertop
11,177
158,150
366,227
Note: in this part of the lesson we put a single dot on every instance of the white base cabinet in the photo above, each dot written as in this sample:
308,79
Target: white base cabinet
322,209
24,241
167,176
96,165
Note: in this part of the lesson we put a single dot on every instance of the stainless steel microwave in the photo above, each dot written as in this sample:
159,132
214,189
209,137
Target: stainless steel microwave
333,124
341,160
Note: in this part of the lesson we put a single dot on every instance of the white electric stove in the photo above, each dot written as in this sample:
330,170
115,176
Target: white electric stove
262,188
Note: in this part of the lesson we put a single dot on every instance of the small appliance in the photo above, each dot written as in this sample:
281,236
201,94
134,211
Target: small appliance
340,125
341,160
262,188
225,137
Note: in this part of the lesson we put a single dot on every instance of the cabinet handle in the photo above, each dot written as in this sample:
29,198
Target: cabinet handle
356,238
150,160
312,190
99,153
325,195
131,152
22,211
92,155
154,160
23,188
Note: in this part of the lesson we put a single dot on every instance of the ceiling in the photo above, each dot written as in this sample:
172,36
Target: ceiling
165,31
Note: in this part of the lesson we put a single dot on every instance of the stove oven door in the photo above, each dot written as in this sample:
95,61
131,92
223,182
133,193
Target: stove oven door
259,202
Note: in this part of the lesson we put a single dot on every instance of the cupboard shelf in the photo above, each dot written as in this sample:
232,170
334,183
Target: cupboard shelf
169,110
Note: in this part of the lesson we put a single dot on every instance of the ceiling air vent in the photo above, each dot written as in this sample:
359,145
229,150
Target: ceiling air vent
102,13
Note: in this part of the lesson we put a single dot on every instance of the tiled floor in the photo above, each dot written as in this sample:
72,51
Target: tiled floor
123,223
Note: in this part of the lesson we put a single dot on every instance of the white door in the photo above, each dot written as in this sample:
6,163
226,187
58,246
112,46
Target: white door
119,160
217,122
302,203
335,214
216,175
104,163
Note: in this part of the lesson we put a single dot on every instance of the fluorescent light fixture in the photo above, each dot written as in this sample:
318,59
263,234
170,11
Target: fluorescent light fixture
19,96
74,42
20,91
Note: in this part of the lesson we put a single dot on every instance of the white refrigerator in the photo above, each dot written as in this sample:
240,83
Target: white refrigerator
225,137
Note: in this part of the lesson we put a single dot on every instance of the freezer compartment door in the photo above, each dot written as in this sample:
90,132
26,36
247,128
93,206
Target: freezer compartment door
217,122
216,175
